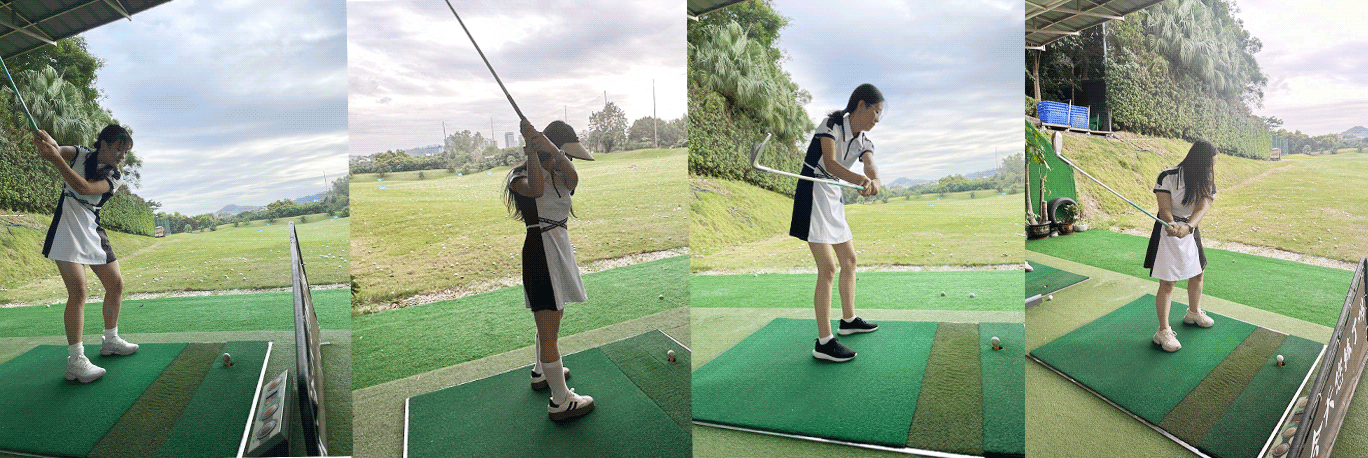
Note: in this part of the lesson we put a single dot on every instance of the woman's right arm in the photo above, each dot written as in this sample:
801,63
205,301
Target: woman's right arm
1166,210
58,156
835,168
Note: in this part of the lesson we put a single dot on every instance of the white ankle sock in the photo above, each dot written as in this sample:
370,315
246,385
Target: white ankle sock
537,365
851,320
824,340
112,332
555,377
75,349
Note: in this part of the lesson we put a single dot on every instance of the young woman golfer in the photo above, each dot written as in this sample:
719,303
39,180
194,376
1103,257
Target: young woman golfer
75,239
538,193
1184,194
819,216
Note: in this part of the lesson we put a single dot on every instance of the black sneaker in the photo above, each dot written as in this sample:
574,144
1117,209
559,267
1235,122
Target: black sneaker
832,351
856,326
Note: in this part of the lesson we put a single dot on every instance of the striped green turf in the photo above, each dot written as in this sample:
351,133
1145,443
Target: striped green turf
993,290
1043,279
144,426
501,416
1115,356
212,423
45,414
770,381
1194,416
645,361
1246,425
950,409
1004,389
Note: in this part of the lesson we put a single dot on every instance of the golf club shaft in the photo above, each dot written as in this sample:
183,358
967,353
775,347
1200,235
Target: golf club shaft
486,62
812,179
1113,191
32,123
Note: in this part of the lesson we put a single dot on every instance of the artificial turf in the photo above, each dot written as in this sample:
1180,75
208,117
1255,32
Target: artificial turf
143,428
627,421
46,414
1222,392
400,343
913,384
1284,287
992,290
228,312
1043,279
213,422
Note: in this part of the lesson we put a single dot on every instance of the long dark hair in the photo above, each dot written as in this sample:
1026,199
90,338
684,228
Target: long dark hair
866,93
111,135
1199,178
557,133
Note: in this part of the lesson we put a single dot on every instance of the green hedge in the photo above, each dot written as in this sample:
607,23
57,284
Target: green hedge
720,140
30,184
1146,97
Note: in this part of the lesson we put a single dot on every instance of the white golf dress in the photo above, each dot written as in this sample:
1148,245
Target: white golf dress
818,213
550,276
75,234
1171,258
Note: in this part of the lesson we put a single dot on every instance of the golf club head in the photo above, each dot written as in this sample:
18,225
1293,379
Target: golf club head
755,152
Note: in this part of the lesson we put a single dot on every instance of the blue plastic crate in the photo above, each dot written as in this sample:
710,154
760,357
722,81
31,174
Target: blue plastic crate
1052,112
1078,117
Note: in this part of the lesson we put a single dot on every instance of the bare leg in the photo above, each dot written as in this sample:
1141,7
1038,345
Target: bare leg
821,296
112,280
73,275
548,328
1194,291
1161,302
845,252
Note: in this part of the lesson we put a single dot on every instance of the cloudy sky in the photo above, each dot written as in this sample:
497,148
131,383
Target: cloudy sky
411,67
1314,57
951,73
239,102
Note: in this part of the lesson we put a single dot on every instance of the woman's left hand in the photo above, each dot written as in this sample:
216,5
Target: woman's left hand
1183,230
47,146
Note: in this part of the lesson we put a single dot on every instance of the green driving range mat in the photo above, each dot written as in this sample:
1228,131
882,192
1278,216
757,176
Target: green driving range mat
500,415
922,385
214,420
1044,279
45,414
993,290
1223,392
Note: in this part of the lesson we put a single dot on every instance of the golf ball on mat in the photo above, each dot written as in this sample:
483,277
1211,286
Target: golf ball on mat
995,343
671,355
227,360
1280,360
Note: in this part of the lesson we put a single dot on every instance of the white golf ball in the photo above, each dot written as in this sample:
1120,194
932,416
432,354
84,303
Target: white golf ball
942,293
995,341
1049,298
1280,359
227,359
670,353
971,294
662,296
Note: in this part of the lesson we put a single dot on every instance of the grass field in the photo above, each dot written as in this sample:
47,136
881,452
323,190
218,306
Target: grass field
413,340
446,231
1303,204
739,227
249,257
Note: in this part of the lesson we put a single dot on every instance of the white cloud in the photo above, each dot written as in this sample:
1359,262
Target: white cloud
1313,56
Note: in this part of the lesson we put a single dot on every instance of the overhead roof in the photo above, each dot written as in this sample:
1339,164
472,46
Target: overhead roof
1050,20
26,25
701,7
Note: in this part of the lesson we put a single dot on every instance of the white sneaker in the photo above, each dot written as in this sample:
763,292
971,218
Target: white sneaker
80,368
575,405
117,346
539,379
1168,339
1200,318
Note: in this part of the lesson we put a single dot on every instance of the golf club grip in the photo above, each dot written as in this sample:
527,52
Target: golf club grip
486,62
1113,191
15,86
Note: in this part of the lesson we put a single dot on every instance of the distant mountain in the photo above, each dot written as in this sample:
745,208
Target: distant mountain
1357,131
230,210
313,198
908,182
983,174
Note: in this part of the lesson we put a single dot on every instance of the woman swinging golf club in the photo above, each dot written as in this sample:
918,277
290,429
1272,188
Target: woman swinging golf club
819,216
538,193
1175,253
75,239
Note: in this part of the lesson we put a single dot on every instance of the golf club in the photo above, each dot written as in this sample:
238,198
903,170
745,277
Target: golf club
755,162
1104,185
32,123
486,62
